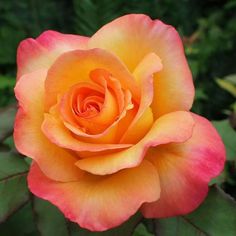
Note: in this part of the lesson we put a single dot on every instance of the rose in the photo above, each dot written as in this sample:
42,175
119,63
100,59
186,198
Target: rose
106,121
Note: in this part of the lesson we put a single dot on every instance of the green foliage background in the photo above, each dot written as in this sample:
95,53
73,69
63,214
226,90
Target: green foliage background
208,30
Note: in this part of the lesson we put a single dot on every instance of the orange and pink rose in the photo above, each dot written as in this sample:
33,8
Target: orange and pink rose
106,121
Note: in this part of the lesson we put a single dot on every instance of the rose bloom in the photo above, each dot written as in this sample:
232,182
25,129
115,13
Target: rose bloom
106,121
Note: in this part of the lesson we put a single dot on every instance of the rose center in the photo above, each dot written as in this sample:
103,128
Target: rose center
87,107
86,102
95,105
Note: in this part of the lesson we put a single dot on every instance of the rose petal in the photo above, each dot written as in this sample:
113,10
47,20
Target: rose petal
75,67
185,170
40,53
29,139
138,129
143,120
88,201
131,38
172,127
99,75
99,120
59,42
66,105
57,133
76,139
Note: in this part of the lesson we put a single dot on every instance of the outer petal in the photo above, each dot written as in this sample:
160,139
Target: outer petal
40,53
185,170
173,127
131,37
29,139
99,203
76,66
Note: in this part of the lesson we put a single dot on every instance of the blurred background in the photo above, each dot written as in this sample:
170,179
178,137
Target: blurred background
208,31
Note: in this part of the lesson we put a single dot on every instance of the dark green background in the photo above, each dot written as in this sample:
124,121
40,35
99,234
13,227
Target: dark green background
208,30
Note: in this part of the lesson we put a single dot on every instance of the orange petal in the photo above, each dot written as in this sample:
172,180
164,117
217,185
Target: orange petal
144,71
99,75
185,170
139,129
57,133
92,121
124,123
143,120
109,110
174,127
55,128
131,38
75,67
55,162
40,53
70,103
88,201
101,128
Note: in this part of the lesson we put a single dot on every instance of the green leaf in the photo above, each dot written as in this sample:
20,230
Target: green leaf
125,229
176,226
215,217
141,230
7,81
7,117
231,79
228,85
13,187
11,164
9,142
13,194
20,224
229,138
50,221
